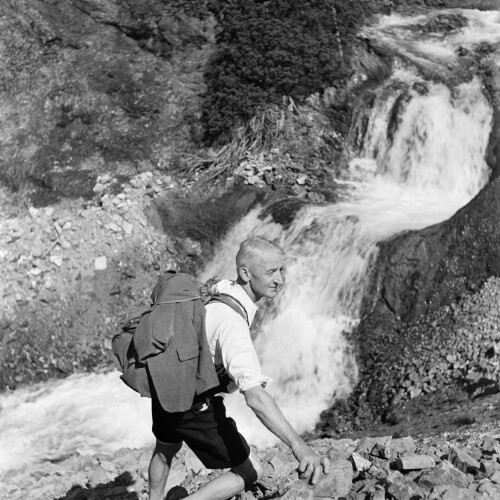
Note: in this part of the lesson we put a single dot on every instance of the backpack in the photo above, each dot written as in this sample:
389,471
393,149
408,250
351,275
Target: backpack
145,333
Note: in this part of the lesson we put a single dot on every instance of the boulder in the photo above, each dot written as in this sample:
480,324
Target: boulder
463,461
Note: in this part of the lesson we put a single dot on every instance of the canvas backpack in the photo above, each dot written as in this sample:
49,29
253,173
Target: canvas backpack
128,361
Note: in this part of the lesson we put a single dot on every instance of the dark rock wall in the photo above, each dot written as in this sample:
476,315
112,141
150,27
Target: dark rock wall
417,272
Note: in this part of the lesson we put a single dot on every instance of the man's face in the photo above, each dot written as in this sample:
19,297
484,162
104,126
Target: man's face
266,274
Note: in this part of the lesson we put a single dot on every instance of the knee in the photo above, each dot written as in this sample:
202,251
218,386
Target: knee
250,471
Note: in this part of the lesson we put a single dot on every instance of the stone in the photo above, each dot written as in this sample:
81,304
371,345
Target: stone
365,446
495,477
33,212
101,263
108,466
463,461
444,474
489,467
192,462
378,493
38,249
114,227
127,227
450,493
56,259
415,462
489,446
486,487
281,466
337,483
404,489
298,490
177,475
382,449
402,445
360,463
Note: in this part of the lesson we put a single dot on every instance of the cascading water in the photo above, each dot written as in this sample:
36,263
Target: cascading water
432,165
422,158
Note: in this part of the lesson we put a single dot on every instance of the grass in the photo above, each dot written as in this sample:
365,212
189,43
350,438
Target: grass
260,133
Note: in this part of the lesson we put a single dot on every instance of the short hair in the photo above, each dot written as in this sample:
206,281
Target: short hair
251,246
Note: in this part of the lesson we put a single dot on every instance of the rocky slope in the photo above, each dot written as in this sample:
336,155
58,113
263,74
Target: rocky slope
464,465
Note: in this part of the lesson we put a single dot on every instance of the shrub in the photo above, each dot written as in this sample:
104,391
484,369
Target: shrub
274,48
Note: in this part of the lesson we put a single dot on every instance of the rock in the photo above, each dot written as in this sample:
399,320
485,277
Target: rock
365,446
382,448
177,475
127,227
444,474
282,464
337,483
401,446
113,227
450,493
56,259
99,476
463,461
404,489
108,466
415,462
298,491
359,463
34,212
101,263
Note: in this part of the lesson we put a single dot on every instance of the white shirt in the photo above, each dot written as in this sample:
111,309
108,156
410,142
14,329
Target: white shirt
228,336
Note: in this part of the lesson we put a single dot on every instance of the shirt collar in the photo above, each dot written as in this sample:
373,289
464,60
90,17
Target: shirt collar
232,288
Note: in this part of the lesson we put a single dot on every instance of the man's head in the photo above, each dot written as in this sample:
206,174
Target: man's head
260,265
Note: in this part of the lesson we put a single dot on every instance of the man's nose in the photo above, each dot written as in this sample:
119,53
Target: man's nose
278,278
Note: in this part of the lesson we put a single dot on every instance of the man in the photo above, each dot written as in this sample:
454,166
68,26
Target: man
208,432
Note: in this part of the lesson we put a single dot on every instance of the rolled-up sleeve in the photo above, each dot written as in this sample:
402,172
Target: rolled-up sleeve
234,346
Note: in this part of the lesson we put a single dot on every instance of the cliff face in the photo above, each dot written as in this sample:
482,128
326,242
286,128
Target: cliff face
92,86
418,272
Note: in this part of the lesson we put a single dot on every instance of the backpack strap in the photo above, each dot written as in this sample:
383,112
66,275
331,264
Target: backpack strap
233,303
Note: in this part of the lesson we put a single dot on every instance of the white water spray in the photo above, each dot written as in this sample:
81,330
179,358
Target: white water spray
429,165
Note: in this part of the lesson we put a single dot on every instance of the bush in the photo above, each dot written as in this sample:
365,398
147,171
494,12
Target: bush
274,48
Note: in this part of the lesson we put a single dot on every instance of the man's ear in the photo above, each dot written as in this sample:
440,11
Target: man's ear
244,274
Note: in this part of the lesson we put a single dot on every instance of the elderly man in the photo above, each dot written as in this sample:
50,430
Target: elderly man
206,429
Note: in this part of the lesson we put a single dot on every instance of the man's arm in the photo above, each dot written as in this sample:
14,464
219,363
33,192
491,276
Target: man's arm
268,412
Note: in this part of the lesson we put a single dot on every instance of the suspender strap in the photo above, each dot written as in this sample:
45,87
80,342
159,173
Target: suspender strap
233,303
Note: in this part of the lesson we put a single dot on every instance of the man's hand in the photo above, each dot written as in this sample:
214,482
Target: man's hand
310,465
270,415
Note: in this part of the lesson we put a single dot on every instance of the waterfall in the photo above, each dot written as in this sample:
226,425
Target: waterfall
421,158
431,166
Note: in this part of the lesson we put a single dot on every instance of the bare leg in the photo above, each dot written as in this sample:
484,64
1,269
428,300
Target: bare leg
159,468
230,483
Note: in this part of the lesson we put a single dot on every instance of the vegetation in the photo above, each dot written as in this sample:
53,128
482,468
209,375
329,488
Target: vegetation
274,48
